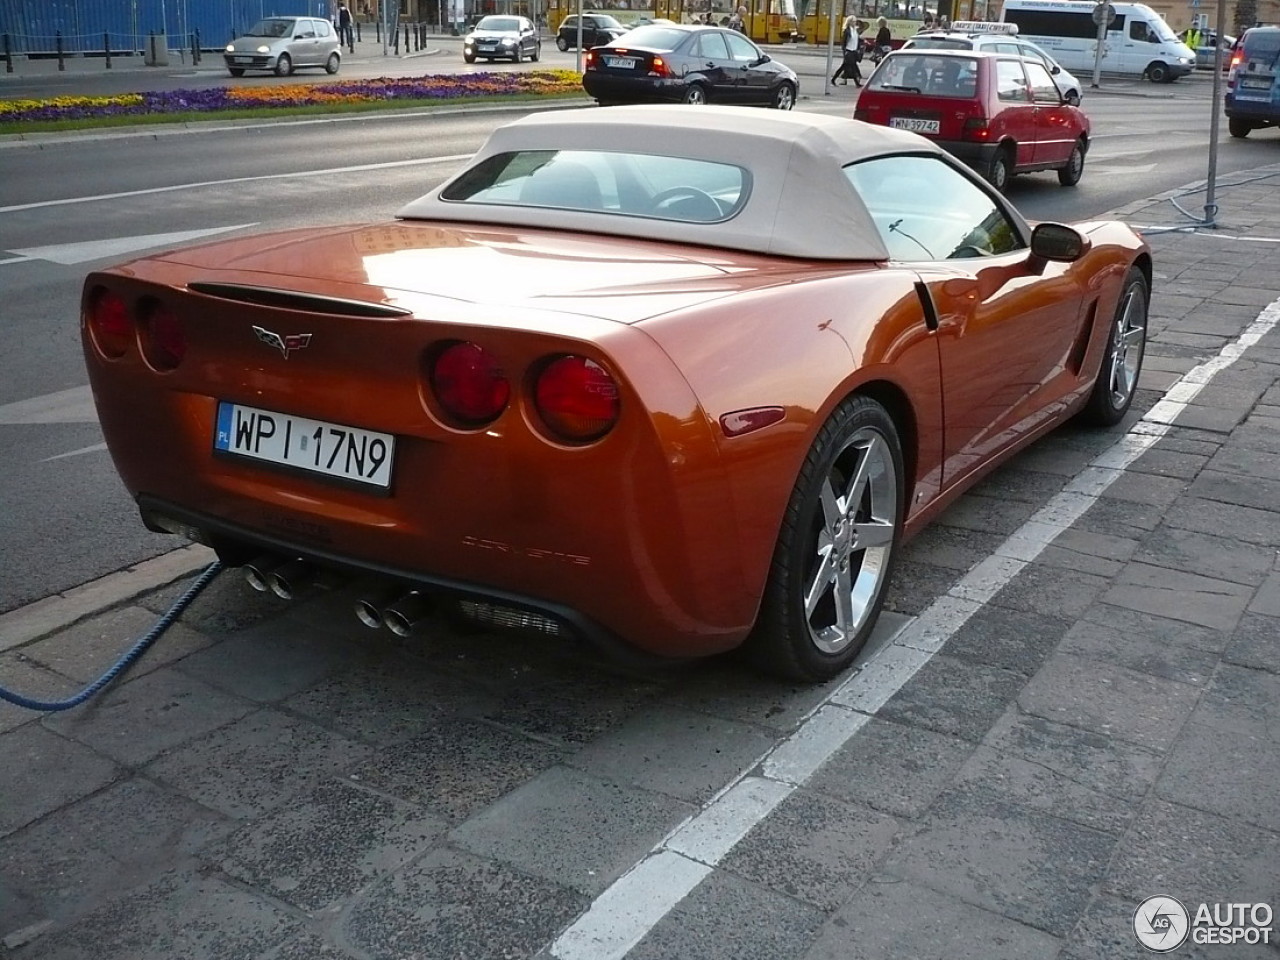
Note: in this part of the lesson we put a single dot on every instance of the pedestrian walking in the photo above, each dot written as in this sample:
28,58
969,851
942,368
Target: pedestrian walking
346,33
851,43
884,39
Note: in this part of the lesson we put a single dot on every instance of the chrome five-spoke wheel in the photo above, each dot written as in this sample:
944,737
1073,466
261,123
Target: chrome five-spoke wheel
1122,362
836,547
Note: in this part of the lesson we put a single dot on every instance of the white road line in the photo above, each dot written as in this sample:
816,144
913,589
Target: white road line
65,406
635,903
291,175
95,448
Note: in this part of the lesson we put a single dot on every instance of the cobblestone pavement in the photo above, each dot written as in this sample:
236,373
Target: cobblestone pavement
275,781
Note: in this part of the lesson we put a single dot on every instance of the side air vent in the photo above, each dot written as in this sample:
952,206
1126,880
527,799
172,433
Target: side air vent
292,300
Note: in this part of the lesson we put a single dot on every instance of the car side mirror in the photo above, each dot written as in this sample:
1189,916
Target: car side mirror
1073,100
1055,70
1057,242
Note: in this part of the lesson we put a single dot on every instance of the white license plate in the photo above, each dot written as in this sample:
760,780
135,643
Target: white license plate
1256,83
914,124
341,453
625,63
244,59
487,47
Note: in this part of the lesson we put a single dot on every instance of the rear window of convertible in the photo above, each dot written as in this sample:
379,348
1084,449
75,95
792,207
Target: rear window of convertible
626,184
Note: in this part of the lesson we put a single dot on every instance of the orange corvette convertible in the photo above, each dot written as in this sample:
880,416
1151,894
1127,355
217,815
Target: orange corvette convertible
699,405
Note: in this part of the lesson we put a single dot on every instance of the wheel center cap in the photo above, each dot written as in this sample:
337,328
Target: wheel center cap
843,537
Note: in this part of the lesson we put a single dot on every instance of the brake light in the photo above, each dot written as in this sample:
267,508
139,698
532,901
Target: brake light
164,342
577,399
591,60
469,384
108,321
862,113
976,128
659,68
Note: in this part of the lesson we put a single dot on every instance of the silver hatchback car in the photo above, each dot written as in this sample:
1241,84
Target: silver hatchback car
282,44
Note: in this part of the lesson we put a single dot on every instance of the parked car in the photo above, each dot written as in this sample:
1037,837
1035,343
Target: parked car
597,28
283,44
1001,38
1252,100
688,64
1206,48
1001,114
496,37
677,380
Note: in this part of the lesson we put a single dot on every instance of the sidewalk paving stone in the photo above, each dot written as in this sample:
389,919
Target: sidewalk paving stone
571,828
814,848
726,915
893,767
891,919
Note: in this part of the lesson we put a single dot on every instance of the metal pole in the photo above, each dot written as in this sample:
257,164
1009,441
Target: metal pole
1100,17
384,15
579,46
106,47
1210,192
831,45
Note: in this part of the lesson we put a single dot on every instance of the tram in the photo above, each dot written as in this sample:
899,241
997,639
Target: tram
904,19
766,21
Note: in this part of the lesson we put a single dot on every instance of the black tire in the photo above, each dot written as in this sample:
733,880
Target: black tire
284,65
562,44
537,52
469,58
695,93
332,64
1070,175
1117,380
236,71
1000,170
1238,128
784,98
799,634
1159,72
518,56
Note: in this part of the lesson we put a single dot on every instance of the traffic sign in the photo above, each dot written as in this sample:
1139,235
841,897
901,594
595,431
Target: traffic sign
1104,14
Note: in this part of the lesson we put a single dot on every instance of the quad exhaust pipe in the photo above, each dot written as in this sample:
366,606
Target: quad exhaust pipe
399,610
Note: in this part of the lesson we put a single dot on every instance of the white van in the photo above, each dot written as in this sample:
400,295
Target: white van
1139,43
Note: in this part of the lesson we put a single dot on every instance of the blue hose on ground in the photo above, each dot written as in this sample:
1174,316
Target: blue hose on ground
128,660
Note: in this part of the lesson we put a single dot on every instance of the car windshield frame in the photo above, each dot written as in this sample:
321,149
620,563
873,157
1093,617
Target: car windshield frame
610,183
639,37
895,68
484,24
288,25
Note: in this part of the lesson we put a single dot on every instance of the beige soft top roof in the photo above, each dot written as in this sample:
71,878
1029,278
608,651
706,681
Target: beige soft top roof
801,204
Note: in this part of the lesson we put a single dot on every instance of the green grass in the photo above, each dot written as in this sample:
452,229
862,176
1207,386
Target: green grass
267,113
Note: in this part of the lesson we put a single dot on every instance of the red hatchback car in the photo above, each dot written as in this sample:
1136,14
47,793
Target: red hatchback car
999,113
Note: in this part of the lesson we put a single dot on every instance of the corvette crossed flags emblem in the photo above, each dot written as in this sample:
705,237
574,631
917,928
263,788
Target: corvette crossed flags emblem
295,341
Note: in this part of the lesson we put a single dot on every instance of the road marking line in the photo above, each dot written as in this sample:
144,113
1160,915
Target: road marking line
75,453
292,175
635,903
65,406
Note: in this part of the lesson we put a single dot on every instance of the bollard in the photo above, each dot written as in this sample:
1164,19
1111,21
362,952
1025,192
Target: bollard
406,38
358,37
106,47
8,55
377,29
195,46
62,64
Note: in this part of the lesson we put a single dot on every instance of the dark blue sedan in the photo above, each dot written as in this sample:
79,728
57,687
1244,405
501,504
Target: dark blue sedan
687,64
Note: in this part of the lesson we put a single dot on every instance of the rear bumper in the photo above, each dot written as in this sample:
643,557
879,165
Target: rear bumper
1257,111
976,155
605,86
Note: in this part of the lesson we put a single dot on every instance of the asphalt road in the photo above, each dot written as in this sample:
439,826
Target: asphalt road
72,203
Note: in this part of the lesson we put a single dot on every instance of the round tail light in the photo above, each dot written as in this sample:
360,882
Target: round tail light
109,324
164,343
469,384
577,399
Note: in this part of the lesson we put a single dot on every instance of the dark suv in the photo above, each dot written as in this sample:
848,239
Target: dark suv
1253,86
597,28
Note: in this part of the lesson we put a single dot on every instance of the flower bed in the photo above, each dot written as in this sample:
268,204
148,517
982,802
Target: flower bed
216,99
